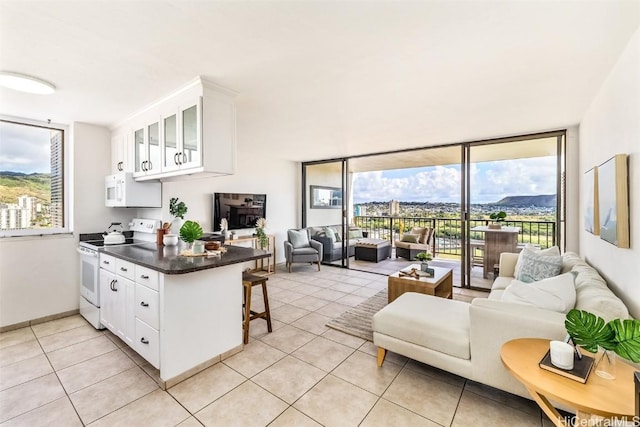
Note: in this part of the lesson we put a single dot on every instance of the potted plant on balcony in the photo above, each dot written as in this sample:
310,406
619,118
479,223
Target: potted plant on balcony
497,218
424,258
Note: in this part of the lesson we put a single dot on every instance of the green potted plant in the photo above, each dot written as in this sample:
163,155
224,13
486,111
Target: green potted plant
497,218
619,336
177,209
263,240
190,232
424,258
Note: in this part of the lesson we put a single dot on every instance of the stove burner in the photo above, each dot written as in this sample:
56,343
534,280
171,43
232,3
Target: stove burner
100,243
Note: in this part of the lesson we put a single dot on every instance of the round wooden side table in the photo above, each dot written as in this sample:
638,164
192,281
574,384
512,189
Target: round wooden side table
598,396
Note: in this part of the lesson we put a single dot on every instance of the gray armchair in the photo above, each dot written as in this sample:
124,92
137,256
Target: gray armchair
299,247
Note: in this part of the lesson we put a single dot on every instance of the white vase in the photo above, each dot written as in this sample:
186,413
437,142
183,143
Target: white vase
176,225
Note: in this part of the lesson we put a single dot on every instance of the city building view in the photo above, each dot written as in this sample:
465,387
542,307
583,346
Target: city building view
31,177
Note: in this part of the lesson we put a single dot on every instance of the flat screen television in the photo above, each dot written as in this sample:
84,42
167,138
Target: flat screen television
240,209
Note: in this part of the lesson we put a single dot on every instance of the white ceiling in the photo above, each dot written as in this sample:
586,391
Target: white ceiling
322,79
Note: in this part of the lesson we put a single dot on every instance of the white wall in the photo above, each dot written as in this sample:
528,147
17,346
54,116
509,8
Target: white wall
325,175
39,275
611,126
278,179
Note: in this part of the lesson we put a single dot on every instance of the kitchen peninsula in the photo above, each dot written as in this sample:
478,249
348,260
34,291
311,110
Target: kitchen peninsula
182,314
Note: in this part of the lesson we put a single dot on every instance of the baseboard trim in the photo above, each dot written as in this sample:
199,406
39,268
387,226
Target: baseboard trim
38,320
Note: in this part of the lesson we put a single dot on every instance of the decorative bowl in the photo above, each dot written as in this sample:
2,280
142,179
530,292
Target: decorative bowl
170,239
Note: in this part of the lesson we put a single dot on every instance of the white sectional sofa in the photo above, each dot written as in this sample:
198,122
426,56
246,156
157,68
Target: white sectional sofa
465,339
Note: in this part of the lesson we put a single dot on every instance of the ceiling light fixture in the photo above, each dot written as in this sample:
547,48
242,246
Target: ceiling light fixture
25,83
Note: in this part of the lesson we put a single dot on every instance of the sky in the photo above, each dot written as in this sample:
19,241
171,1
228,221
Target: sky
25,149
490,182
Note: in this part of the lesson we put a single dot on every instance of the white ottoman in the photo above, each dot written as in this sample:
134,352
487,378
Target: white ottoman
416,322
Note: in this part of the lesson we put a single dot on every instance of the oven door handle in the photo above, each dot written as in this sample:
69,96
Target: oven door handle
83,253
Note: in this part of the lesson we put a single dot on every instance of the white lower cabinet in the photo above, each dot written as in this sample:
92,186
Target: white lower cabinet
147,343
117,304
131,309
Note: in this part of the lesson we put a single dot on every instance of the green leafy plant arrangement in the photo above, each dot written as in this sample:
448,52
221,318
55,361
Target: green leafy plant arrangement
498,216
589,331
177,209
263,240
190,231
424,256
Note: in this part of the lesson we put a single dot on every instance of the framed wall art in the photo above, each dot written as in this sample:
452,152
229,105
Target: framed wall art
325,197
613,201
591,211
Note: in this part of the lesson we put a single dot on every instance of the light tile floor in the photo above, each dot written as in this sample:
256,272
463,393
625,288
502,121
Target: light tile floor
65,373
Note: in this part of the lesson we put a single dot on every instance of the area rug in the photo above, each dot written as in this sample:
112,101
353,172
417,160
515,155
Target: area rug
356,321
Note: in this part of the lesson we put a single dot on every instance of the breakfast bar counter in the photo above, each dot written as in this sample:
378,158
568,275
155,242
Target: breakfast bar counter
167,259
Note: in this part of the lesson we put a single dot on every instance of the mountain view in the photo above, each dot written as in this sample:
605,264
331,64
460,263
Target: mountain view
16,184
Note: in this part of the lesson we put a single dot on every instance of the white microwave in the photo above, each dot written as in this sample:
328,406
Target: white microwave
122,191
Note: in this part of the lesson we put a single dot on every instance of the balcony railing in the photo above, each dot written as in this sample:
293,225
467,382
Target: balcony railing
448,230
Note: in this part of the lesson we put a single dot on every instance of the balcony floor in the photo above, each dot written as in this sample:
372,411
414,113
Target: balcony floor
393,264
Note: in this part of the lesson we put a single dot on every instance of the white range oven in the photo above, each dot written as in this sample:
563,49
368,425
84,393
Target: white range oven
144,231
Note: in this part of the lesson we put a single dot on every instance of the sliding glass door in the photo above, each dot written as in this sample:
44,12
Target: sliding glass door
517,181
452,190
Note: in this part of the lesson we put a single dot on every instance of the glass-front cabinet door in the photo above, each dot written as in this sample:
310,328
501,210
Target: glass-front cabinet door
153,132
170,136
191,136
140,150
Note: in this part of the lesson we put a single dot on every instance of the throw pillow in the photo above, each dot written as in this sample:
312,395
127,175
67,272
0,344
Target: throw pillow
355,234
410,238
553,250
330,233
535,266
555,293
338,236
298,238
421,232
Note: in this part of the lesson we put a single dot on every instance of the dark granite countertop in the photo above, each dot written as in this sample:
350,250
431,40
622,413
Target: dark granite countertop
167,259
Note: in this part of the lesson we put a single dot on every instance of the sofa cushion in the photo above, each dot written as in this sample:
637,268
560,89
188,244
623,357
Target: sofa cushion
420,231
536,266
592,293
556,293
355,234
432,322
552,251
298,238
330,233
410,238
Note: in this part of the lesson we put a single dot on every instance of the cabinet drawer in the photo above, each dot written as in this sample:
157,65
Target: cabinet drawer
147,343
125,269
147,307
108,263
147,277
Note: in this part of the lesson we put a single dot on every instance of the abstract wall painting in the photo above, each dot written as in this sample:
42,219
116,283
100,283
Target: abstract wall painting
613,201
591,220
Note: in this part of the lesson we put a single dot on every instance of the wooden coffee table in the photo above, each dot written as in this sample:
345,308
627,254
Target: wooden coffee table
440,285
599,396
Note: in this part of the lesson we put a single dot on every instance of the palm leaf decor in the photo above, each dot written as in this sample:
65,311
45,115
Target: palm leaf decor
627,337
590,332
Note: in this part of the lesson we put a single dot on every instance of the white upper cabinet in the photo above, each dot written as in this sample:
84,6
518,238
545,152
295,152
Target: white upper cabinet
182,137
146,143
191,132
121,152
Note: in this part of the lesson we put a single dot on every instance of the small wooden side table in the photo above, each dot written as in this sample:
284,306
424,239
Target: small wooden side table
599,396
440,285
